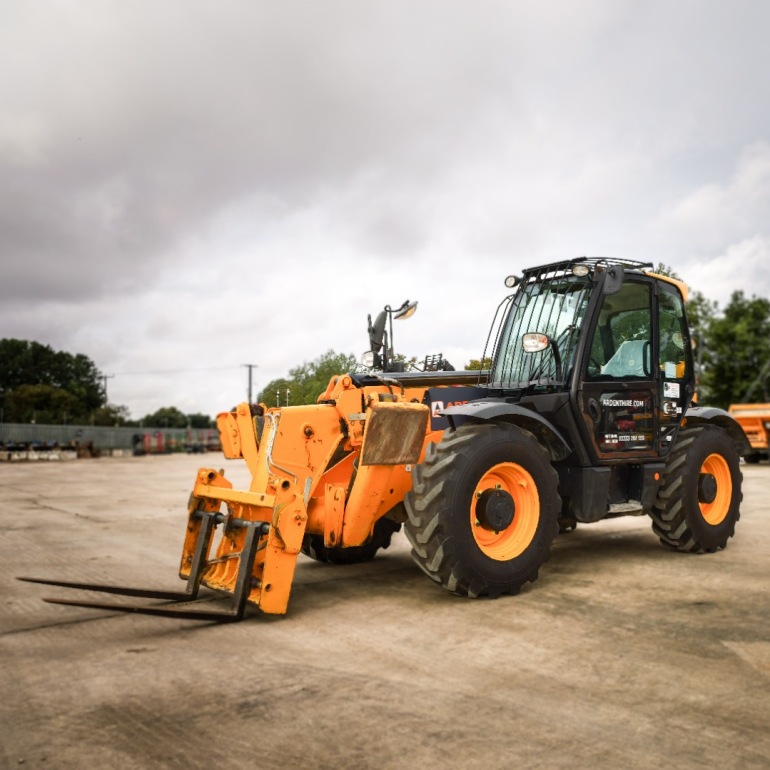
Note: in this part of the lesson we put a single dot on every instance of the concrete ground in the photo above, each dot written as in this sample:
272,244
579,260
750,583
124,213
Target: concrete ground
623,654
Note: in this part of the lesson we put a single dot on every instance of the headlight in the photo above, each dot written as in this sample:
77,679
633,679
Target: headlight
367,359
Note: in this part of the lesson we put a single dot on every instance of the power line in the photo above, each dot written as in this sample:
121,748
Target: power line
178,371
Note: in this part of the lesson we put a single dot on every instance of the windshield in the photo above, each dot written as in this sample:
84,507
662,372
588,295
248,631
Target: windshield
554,307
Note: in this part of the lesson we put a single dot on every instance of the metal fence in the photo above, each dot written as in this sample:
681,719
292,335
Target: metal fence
139,440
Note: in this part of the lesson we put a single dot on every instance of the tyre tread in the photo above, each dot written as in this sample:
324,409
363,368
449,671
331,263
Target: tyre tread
433,548
670,519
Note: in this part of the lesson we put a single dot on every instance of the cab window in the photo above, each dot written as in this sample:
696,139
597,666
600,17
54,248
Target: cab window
621,347
674,342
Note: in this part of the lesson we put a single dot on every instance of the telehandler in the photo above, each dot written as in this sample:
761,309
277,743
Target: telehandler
585,412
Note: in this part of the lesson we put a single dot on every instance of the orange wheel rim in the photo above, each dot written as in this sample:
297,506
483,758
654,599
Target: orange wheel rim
513,540
716,511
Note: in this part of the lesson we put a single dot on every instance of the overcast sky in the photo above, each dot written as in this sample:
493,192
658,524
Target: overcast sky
189,186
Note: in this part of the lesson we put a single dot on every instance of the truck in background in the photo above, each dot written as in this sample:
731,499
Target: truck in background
755,421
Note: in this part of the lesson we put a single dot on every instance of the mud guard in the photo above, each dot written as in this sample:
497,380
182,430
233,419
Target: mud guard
486,411
712,415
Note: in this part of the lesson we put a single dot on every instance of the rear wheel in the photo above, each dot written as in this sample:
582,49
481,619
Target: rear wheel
699,500
483,510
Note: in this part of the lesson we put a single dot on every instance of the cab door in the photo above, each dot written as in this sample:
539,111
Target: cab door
676,387
619,398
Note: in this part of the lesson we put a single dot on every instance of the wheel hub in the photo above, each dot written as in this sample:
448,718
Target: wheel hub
495,509
707,488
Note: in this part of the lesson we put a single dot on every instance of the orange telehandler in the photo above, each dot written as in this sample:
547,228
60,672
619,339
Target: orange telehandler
586,412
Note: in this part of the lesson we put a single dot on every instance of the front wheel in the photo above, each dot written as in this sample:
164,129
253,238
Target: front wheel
314,547
483,510
698,503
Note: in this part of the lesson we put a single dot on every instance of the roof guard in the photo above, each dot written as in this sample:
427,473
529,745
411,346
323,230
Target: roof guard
596,263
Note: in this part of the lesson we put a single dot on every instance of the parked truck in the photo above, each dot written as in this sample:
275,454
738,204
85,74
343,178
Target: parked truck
754,419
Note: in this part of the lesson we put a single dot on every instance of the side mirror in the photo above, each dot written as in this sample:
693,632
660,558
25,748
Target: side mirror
534,342
377,331
613,281
380,353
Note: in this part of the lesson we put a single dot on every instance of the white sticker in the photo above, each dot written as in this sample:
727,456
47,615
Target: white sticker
670,390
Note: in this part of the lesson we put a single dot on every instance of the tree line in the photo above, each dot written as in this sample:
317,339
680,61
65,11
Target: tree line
51,387
732,349
39,384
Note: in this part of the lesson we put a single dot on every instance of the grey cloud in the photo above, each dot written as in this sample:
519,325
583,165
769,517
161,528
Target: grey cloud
185,146
150,122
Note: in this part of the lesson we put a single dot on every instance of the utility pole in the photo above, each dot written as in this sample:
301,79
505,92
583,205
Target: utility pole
250,367
106,377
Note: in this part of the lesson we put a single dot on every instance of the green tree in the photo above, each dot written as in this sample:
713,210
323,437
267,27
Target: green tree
476,364
30,363
279,392
737,351
42,404
166,417
35,377
199,420
111,414
701,311
664,269
308,380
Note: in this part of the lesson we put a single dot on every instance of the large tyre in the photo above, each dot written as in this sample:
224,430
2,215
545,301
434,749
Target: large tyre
698,502
313,545
483,510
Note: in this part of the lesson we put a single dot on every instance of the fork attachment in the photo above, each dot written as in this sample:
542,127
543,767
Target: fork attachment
201,525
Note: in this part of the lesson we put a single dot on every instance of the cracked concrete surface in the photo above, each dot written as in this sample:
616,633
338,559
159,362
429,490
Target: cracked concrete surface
623,654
